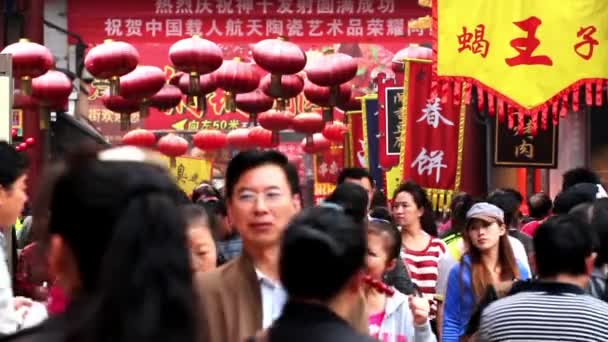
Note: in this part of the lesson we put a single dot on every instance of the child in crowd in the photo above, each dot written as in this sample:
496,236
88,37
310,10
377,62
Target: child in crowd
392,317
201,239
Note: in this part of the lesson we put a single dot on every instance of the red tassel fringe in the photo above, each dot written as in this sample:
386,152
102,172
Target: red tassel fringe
575,100
545,118
445,91
555,112
480,99
564,108
457,93
467,93
521,124
589,93
491,107
534,123
599,91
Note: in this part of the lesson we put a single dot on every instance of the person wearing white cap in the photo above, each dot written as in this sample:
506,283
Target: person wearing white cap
488,261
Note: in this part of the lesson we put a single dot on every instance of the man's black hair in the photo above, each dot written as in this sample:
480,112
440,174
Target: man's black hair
579,175
355,173
251,159
540,205
508,202
562,244
573,196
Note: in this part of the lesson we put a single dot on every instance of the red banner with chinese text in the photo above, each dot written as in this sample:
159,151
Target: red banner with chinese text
327,167
357,152
390,102
432,135
369,30
529,57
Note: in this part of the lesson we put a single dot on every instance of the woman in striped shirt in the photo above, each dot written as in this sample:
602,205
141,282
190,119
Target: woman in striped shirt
421,248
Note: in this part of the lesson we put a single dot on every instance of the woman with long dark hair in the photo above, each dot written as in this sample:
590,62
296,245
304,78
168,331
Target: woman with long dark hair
117,245
489,261
421,249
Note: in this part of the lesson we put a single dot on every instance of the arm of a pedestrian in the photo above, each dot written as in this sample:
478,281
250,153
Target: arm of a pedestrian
451,307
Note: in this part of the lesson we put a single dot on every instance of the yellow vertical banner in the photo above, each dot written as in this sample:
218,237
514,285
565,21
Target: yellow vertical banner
189,172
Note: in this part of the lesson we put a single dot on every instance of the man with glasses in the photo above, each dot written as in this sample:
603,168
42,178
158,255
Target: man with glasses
245,295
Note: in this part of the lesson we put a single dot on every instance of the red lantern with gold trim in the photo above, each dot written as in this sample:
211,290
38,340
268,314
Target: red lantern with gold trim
206,85
125,107
319,144
195,56
53,89
308,123
236,77
321,96
139,137
110,61
173,146
169,96
335,131
261,137
141,84
210,140
331,70
253,103
276,120
291,86
279,57
29,60
413,51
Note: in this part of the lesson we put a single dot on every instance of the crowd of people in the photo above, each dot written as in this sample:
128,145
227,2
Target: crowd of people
113,250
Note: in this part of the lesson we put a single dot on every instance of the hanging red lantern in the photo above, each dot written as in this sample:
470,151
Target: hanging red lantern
318,144
291,86
30,141
139,137
335,131
206,85
169,96
53,89
354,102
110,61
321,96
195,56
236,77
413,51
210,140
253,103
239,139
279,57
125,107
276,120
308,123
141,84
25,102
174,80
173,146
261,137
331,70
29,60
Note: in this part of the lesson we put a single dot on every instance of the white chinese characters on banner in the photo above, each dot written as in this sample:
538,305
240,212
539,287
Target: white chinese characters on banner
361,155
333,168
323,169
429,163
432,114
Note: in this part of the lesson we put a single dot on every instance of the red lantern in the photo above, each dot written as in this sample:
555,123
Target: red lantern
52,87
354,102
125,107
236,77
275,121
279,57
110,61
139,137
262,137
29,60
168,96
174,80
210,140
413,51
206,84
172,146
335,131
321,96
291,86
331,69
141,84
195,56
319,144
308,123
239,139
30,141
253,103
22,101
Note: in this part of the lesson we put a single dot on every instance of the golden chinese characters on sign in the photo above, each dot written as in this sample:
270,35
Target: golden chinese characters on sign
190,172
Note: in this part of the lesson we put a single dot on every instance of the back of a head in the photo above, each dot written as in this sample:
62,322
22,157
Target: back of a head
508,202
322,249
123,225
579,175
599,223
573,196
381,213
251,159
353,198
461,203
12,164
562,244
355,173
540,205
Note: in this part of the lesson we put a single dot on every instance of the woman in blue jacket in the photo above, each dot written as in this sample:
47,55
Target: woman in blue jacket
488,261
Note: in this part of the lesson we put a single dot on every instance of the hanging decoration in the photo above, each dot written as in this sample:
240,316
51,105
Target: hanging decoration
291,86
321,96
53,90
169,96
172,146
195,56
141,84
236,77
309,124
253,103
210,140
261,137
206,85
239,139
140,138
111,60
125,107
276,120
29,60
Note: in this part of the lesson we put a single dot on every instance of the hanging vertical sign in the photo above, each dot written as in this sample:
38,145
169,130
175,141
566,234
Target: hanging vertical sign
432,134
390,99
357,151
370,137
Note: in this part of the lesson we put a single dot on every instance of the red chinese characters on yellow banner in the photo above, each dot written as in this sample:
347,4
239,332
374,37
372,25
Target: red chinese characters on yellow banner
531,56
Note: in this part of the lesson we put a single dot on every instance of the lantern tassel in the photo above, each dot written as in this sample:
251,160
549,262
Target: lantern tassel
328,114
230,102
44,118
253,120
26,85
114,85
275,139
144,111
275,85
172,162
334,92
194,86
125,121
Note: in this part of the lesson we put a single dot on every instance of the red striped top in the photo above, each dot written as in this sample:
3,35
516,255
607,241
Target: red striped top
423,265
